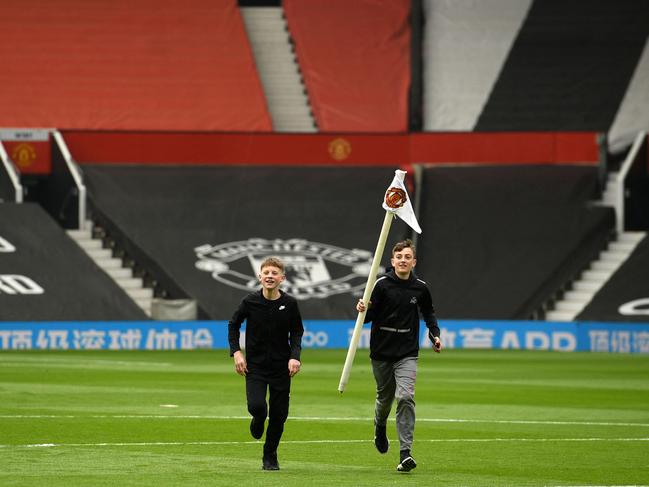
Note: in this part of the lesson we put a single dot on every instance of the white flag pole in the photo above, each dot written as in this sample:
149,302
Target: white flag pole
378,254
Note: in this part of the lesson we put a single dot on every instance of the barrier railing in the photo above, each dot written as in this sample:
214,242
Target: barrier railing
65,167
621,177
12,174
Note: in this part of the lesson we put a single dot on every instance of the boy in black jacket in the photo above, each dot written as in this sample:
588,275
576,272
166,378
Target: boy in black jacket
273,344
397,299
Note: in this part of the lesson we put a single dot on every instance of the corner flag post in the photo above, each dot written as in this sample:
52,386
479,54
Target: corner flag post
358,327
395,203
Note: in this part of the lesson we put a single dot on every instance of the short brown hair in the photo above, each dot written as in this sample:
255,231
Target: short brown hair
404,244
273,261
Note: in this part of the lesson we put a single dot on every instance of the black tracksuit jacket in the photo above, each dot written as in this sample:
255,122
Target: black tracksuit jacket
394,312
273,330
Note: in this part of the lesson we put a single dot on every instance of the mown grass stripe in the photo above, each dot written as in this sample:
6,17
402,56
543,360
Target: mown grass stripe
315,442
313,418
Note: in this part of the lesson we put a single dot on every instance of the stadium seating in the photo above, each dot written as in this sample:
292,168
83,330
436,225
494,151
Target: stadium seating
201,230
483,256
536,65
355,62
465,46
569,67
500,240
46,276
129,65
501,236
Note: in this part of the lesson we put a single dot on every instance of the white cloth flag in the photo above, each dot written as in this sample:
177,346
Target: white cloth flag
396,201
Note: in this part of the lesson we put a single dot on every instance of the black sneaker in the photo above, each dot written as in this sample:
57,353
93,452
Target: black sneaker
256,427
269,462
381,441
407,462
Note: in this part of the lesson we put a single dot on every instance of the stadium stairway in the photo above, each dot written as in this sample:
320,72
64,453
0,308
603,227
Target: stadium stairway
583,289
92,243
279,72
45,275
579,293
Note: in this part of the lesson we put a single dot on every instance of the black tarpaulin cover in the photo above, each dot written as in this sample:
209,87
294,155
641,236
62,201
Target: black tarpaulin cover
46,276
208,228
625,297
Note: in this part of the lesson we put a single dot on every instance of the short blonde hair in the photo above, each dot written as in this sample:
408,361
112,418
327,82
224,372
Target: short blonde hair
274,262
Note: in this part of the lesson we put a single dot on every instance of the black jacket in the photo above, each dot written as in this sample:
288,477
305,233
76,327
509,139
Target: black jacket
394,313
273,329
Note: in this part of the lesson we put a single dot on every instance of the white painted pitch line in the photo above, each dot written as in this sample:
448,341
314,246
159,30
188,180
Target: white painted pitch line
311,418
303,442
27,361
524,421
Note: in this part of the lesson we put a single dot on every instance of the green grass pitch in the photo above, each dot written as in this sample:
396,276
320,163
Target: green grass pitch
484,418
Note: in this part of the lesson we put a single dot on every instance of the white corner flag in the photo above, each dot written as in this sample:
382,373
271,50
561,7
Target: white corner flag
396,201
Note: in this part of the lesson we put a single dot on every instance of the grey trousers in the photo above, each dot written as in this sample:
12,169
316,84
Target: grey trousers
396,380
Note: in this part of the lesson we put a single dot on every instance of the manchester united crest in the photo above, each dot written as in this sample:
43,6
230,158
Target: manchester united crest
339,149
395,198
23,154
313,269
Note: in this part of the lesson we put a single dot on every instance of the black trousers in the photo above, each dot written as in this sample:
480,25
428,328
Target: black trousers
277,383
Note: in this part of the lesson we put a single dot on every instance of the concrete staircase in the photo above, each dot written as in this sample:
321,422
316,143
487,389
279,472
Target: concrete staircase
113,266
608,262
278,69
593,279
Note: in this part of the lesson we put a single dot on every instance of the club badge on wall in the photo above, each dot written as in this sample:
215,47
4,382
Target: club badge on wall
313,269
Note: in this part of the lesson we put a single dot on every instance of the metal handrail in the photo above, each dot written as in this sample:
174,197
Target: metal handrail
13,174
621,176
76,176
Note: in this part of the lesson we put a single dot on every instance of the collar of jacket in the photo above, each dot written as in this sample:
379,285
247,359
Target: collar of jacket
393,275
